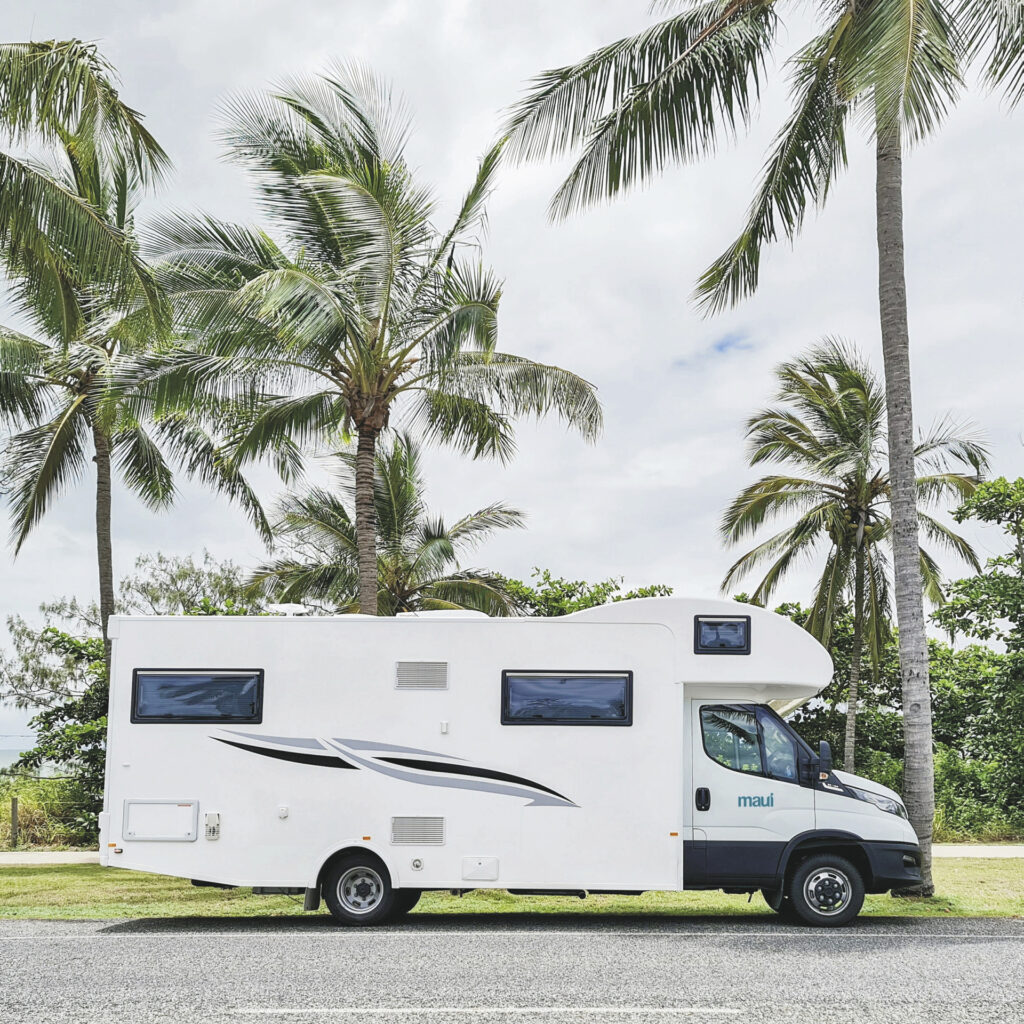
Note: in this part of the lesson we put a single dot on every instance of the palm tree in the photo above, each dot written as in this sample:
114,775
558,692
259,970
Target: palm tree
62,96
672,91
417,554
364,306
68,390
830,428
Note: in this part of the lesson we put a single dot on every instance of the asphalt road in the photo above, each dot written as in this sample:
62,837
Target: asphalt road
503,969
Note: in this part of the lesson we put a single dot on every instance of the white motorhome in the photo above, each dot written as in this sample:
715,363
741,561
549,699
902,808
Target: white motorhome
634,746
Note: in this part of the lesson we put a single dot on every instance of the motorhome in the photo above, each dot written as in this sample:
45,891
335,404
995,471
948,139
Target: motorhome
357,760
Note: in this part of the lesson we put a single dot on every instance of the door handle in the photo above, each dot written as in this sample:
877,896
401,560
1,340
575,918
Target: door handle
703,798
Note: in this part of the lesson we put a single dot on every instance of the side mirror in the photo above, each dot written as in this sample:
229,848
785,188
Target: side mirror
824,759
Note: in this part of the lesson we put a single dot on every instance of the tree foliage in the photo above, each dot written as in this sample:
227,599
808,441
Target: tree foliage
353,305
58,668
555,595
418,554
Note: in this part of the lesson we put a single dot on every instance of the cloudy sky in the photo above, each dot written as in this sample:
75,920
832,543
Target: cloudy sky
606,295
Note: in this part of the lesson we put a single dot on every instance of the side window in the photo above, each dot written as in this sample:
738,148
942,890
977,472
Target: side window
779,752
567,698
730,738
175,695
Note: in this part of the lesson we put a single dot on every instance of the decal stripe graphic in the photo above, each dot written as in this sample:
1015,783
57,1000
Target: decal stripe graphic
391,748
465,769
323,760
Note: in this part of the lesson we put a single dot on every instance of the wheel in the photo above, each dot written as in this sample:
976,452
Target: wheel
825,890
405,900
358,891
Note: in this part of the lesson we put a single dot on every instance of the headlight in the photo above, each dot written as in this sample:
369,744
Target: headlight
882,802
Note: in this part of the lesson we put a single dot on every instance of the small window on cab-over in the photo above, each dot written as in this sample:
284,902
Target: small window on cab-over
730,738
721,634
567,698
179,695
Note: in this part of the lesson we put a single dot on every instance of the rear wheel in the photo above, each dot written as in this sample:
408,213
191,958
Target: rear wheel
357,889
825,890
405,900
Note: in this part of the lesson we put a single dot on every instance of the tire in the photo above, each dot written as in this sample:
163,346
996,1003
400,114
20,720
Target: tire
826,891
357,890
787,912
405,900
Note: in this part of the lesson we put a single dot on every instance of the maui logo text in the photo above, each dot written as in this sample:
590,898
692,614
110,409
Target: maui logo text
757,801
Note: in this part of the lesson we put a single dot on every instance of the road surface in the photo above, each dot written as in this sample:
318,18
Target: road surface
502,969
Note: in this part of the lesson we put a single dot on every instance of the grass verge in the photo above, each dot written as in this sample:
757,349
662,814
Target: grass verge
967,888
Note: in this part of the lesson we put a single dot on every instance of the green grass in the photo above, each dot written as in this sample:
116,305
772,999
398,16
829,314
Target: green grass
968,888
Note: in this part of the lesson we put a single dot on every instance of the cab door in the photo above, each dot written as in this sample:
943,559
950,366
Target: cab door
747,797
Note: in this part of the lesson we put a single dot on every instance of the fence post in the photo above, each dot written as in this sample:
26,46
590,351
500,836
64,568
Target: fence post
14,822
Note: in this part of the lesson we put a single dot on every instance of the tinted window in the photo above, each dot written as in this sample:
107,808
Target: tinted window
779,752
715,634
600,698
730,738
198,696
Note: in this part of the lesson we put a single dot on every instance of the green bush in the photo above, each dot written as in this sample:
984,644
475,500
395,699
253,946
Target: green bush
51,812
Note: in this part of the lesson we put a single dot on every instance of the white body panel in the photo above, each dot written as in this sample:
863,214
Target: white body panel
545,806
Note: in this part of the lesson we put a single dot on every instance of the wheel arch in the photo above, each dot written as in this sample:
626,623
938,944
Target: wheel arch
846,844
331,857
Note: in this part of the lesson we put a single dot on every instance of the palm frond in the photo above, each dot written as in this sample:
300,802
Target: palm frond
940,534
906,57
994,35
479,525
59,88
45,459
142,466
664,95
807,154
47,228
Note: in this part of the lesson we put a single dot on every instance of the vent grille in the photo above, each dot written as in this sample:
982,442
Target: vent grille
212,826
421,675
417,831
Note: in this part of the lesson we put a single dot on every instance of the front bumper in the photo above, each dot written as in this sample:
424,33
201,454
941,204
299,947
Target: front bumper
893,865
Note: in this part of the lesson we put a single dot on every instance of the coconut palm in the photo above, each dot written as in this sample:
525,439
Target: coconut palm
830,428
669,94
418,555
363,308
70,390
60,98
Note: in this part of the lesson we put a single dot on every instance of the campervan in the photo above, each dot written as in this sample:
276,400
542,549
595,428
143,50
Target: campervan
640,745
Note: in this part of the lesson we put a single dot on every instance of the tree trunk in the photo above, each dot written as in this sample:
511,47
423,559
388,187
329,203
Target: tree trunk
366,521
104,549
918,772
850,746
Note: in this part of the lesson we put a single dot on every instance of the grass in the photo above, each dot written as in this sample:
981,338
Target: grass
967,887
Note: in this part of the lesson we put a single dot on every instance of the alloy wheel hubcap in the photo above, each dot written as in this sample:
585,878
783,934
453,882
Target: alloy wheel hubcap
360,890
827,891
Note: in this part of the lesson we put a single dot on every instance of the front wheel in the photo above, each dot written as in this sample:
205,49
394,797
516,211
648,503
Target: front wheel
357,890
825,890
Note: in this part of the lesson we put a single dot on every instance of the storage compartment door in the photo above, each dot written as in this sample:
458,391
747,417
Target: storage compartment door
161,821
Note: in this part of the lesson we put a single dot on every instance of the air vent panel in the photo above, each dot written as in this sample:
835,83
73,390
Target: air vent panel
421,675
417,831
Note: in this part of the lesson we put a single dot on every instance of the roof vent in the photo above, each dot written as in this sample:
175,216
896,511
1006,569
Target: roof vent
421,675
417,831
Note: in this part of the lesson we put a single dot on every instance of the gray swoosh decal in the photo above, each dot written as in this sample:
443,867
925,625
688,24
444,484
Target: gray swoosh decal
367,745
288,741
537,799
